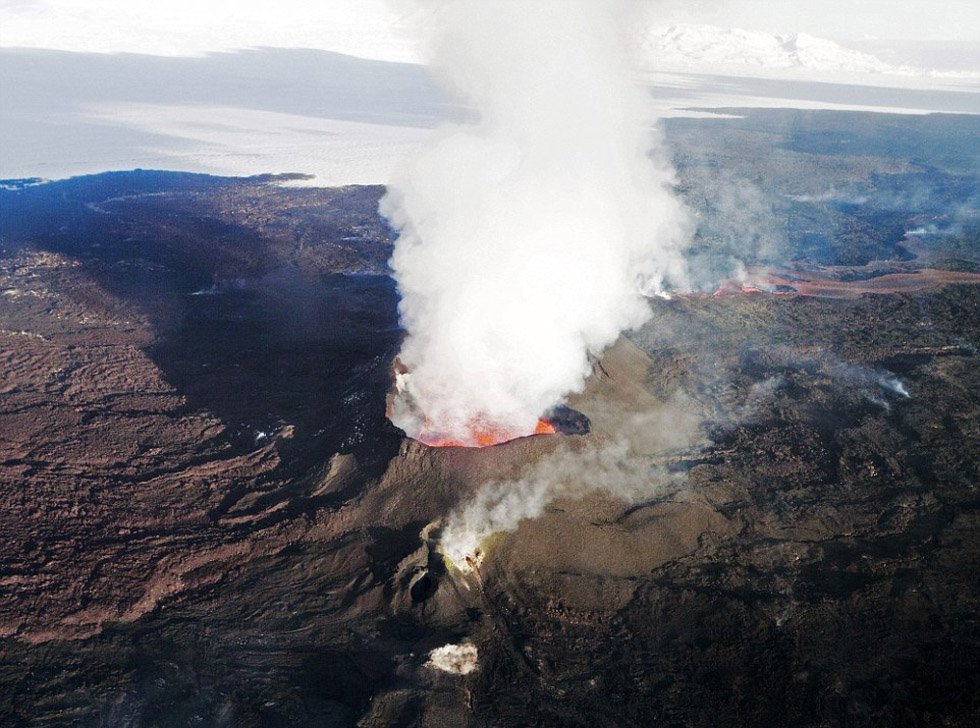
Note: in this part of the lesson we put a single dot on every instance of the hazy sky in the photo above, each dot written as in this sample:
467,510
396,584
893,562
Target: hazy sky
839,19
370,28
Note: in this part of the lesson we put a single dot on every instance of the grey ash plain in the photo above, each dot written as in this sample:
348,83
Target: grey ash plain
208,521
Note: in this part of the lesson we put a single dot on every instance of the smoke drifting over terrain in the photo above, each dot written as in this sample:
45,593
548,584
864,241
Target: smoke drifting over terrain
529,236
623,465
736,224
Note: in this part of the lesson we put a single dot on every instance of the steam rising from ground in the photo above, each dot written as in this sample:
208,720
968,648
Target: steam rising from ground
626,465
458,659
631,459
528,236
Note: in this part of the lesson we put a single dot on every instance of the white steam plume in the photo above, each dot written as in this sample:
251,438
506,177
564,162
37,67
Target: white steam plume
528,236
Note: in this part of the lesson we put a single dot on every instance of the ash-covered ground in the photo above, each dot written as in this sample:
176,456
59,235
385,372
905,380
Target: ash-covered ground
208,521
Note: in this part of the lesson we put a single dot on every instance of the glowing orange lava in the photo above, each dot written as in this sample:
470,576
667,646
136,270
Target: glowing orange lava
482,436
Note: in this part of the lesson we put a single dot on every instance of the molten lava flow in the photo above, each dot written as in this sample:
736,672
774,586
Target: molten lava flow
481,436
544,428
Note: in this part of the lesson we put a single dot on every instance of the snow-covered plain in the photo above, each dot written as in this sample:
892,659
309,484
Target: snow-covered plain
231,88
346,120
374,29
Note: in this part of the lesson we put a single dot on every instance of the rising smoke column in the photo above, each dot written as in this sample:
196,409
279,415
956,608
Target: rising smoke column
527,236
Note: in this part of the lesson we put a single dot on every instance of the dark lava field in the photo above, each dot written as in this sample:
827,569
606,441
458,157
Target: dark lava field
208,521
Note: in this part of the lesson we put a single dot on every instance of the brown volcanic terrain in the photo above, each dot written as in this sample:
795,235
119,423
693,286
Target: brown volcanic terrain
207,520
856,282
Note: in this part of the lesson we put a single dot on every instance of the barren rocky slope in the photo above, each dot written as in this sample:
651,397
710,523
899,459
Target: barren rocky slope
207,520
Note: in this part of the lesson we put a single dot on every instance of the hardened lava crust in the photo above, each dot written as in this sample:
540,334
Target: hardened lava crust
208,519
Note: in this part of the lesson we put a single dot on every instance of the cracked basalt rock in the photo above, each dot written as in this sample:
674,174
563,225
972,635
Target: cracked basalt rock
207,518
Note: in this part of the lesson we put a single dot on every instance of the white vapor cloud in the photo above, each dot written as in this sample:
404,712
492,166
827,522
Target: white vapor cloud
461,659
528,235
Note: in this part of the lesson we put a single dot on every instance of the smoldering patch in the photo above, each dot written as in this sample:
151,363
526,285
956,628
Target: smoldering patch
456,659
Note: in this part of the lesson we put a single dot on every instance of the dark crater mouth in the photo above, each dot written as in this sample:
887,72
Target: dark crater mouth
568,421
